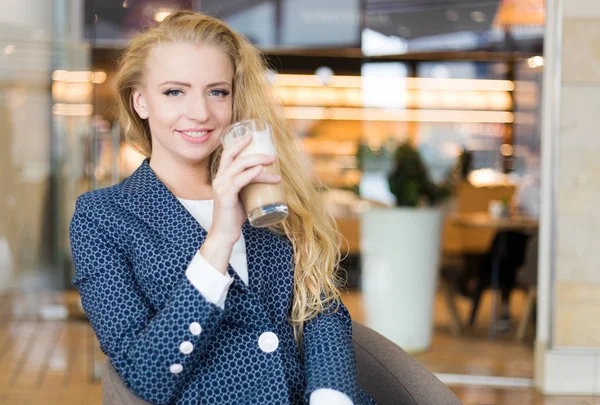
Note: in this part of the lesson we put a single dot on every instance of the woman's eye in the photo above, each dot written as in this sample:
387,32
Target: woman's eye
173,93
219,93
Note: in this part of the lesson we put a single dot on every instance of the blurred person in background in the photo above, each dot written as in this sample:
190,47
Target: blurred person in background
527,197
526,201
512,255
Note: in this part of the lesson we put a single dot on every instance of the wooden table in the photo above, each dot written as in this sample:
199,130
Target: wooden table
517,222
485,220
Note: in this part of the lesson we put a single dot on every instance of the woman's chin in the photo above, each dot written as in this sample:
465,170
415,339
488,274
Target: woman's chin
192,157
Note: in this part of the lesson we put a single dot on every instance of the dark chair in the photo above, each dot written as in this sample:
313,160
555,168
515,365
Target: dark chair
385,371
452,273
528,278
507,251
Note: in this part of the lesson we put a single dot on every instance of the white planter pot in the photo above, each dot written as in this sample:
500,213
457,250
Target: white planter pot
400,251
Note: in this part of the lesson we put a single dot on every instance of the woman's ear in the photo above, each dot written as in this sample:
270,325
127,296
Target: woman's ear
139,103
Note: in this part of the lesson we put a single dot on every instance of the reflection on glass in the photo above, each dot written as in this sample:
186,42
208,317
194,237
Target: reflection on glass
112,22
320,23
494,25
255,21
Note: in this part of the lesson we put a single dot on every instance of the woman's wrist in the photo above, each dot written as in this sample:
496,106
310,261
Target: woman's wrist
216,250
225,237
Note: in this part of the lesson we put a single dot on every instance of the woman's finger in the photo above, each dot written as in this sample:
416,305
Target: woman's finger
234,150
244,178
256,174
242,163
267,177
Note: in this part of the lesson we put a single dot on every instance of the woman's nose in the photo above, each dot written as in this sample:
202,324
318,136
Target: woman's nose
197,109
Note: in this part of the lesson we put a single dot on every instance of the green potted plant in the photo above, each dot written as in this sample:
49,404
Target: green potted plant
410,182
400,250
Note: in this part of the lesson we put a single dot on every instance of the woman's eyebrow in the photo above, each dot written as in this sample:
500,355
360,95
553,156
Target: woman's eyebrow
176,83
218,84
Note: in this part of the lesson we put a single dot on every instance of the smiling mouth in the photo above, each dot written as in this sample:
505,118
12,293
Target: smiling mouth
195,134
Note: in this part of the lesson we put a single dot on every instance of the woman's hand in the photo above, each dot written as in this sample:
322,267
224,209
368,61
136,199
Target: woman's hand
234,173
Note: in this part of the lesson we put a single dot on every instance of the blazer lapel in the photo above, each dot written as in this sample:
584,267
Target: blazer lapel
251,235
145,196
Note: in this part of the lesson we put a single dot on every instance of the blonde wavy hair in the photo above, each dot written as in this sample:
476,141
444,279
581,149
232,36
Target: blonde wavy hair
310,228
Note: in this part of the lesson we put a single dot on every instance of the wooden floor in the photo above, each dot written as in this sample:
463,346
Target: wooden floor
58,362
506,396
473,352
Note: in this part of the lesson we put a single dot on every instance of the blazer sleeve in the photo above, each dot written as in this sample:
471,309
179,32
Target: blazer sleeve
329,352
154,352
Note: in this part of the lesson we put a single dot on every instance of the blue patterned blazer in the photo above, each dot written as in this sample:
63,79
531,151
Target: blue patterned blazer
131,244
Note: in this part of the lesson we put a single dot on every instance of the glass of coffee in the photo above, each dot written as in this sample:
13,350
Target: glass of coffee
264,203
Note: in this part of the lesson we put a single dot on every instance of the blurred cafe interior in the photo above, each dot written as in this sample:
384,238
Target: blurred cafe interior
428,126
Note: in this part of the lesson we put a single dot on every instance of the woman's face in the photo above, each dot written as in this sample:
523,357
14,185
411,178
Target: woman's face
187,99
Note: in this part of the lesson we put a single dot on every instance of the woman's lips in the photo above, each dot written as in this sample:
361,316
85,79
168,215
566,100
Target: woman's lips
195,136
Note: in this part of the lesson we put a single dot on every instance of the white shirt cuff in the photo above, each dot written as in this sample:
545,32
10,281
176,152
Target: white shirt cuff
211,283
327,396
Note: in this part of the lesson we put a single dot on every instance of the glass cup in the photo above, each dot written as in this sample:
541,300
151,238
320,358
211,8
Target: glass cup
264,203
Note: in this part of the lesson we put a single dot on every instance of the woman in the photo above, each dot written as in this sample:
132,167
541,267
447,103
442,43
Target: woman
191,304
